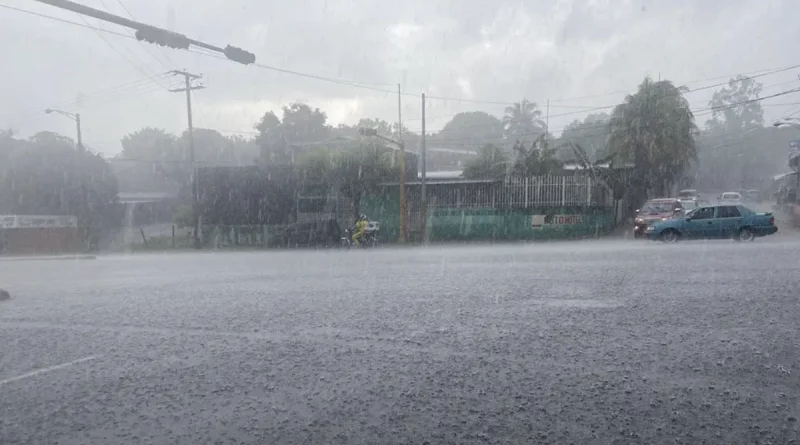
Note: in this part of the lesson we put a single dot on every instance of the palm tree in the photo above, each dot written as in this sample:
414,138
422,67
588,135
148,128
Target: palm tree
522,119
535,160
654,128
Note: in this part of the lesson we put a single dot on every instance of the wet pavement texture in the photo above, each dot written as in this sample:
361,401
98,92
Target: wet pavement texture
608,342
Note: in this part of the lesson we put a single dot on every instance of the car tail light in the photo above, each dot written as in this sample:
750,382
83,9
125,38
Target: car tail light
772,221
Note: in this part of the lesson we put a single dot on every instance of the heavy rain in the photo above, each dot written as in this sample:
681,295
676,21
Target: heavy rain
364,222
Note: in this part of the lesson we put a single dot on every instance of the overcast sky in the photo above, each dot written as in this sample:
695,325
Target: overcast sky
497,51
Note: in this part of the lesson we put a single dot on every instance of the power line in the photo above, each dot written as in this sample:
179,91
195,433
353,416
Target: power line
727,106
495,102
364,85
750,74
163,53
133,64
68,21
128,50
135,85
605,107
88,26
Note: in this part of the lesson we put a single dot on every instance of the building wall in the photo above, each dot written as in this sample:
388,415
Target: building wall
28,241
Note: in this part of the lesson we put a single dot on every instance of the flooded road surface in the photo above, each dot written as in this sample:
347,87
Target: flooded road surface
596,342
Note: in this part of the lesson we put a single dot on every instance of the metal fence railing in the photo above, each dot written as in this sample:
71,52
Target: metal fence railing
536,191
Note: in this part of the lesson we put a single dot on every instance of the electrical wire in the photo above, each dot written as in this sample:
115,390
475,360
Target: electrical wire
129,87
68,21
367,86
727,106
163,53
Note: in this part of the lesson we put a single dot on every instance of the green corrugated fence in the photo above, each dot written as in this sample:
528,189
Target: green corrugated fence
473,224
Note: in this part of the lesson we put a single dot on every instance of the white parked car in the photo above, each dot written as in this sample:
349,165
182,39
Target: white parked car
730,198
688,194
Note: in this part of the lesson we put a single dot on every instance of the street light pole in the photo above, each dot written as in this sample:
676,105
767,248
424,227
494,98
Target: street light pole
74,116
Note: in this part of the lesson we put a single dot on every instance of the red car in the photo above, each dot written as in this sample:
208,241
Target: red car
656,210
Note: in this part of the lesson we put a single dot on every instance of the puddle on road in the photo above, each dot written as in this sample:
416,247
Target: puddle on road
582,304
577,295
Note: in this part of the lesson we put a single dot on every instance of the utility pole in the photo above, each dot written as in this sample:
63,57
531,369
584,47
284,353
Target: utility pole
423,199
188,78
78,125
546,124
403,202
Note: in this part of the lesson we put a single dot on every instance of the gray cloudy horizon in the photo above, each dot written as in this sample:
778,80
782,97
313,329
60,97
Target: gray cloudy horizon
500,51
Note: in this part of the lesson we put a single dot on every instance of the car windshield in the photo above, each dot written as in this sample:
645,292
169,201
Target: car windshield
730,196
687,193
657,207
691,212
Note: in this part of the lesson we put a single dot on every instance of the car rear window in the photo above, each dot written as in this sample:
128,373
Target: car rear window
730,196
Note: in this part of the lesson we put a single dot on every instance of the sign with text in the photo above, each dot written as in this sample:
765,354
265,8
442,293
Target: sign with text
37,221
555,220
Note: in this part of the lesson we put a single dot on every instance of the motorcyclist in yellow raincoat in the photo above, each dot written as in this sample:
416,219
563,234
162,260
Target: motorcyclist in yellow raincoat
360,229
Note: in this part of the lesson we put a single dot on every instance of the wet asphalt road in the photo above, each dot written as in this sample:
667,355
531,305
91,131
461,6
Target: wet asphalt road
587,342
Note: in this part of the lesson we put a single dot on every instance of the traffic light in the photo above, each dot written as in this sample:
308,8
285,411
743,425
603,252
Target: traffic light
367,131
239,55
163,38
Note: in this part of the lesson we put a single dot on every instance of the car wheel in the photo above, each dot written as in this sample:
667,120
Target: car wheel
637,234
746,235
670,236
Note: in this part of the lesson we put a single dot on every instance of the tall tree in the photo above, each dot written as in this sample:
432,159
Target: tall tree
491,163
355,171
735,150
299,124
654,128
523,121
734,107
48,175
154,160
591,134
472,129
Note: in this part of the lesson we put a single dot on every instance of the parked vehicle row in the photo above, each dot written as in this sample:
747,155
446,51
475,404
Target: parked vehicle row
687,217
714,222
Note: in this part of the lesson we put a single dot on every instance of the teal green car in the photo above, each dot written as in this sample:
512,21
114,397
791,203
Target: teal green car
714,222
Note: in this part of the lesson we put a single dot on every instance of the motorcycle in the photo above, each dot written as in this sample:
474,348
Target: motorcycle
370,238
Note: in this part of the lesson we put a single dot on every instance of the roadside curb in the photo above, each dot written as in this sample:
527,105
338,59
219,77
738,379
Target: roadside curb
49,258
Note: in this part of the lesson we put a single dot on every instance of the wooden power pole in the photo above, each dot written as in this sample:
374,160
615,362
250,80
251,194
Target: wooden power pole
189,77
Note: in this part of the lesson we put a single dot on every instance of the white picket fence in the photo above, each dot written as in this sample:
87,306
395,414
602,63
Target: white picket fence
536,191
